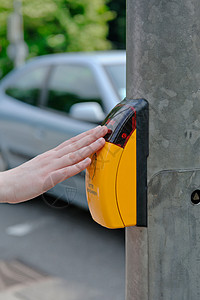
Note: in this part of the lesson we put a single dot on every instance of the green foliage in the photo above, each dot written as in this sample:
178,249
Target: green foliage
53,26
5,63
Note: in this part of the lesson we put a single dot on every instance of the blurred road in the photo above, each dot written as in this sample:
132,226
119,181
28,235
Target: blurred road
77,258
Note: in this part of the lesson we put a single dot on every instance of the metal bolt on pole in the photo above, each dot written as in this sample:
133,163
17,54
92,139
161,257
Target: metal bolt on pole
163,66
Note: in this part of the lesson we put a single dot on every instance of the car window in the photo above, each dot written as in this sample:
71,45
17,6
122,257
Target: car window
70,84
117,75
27,87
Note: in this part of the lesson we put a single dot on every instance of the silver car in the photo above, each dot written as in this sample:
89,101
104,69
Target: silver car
54,97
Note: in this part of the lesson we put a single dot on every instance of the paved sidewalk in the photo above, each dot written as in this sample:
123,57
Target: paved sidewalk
20,282
48,289
40,247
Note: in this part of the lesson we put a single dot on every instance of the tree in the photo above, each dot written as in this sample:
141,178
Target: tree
54,26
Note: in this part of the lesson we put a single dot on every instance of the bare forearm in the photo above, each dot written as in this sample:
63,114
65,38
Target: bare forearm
6,186
46,170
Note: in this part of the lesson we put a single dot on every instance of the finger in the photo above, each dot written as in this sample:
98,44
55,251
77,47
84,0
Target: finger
75,157
97,132
90,149
77,168
83,142
76,138
64,173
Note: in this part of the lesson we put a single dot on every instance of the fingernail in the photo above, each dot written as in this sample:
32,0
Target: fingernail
101,139
87,160
104,127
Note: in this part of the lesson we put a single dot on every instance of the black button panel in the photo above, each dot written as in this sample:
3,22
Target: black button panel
121,123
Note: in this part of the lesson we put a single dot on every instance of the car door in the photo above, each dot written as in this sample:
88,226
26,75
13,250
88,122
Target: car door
20,129
67,85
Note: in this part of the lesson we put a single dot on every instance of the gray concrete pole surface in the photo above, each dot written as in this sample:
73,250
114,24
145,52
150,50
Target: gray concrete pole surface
163,66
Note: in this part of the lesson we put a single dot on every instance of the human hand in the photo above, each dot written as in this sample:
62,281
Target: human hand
43,172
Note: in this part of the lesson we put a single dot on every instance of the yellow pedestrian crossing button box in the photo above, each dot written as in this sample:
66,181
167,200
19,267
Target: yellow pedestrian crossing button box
116,180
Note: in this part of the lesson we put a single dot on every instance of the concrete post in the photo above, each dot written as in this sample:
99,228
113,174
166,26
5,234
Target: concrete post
163,66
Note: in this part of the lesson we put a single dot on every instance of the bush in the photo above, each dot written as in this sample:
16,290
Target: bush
53,26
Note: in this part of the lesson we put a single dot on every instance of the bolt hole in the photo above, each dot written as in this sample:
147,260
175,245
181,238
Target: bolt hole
195,197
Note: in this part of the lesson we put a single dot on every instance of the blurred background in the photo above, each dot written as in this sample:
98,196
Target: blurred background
50,246
57,26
